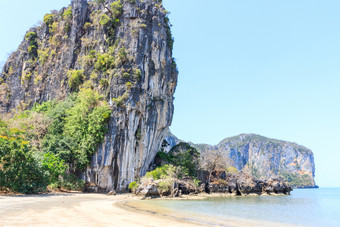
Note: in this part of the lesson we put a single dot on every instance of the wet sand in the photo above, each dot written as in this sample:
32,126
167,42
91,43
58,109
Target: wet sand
148,206
78,210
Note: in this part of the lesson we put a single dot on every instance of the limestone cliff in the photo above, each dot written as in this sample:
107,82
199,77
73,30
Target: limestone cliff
265,157
124,51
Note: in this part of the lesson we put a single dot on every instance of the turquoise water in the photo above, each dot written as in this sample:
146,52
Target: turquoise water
306,207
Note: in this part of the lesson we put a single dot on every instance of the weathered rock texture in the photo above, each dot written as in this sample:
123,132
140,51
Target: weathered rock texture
151,188
240,184
264,157
138,79
244,183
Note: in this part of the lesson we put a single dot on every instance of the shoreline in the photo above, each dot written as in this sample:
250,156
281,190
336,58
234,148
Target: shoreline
197,219
126,205
88,209
74,209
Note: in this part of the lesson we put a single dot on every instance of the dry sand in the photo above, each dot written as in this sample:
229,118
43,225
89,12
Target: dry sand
78,210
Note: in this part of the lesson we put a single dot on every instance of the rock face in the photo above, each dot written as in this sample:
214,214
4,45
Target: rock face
148,190
244,184
128,60
265,157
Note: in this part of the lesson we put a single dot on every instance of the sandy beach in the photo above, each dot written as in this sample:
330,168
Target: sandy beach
78,210
81,209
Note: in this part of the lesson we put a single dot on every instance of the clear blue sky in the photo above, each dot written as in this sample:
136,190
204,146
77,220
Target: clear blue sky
265,67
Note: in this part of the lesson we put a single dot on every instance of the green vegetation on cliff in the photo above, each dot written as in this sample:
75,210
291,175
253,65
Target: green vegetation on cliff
52,143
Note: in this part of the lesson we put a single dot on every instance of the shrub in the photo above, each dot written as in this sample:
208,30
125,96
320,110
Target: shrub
48,19
88,60
121,56
137,74
164,172
116,8
72,182
126,75
31,37
133,186
20,171
158,173
94,75
92,53
75,77
32,49
104,62
104,19
67,15
10,71
128,85
104,83
196,182
121,99
54,27
164,185
26,76
55,166
43,107
87,25
55,41
143,26
43,55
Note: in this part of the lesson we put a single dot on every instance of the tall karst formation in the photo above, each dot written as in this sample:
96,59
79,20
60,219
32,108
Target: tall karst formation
122,49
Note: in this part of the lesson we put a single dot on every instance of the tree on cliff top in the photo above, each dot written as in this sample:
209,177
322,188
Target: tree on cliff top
182,155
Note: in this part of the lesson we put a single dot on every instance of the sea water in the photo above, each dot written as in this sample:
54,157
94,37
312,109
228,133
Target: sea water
304,207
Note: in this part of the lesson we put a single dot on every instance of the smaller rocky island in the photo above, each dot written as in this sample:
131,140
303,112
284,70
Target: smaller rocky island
185,171
240,184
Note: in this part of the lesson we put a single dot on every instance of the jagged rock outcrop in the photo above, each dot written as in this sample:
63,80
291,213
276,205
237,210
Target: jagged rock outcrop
264,157
244,183
178,187
148,190
125,54
240,184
